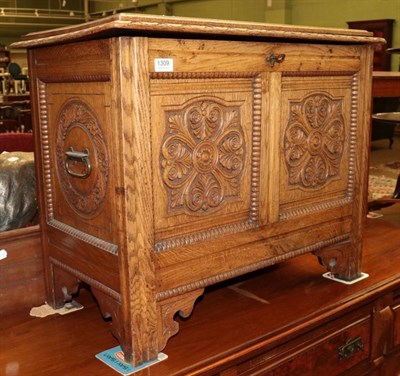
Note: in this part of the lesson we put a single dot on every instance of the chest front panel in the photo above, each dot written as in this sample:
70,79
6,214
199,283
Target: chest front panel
240,142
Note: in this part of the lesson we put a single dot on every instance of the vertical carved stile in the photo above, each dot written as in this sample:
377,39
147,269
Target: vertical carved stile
256,150
361,157
45,147
136,258
353,135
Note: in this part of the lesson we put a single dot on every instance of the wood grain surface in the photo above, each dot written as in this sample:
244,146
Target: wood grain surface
250,322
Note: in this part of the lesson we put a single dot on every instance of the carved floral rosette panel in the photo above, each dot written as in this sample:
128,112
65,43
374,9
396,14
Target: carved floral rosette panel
318,138
314,141
206,158
78,124
202,156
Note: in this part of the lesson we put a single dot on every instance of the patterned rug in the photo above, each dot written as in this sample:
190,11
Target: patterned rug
382,180
380,187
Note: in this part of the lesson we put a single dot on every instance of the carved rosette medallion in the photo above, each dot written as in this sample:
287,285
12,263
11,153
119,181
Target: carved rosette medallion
76,119
202,156
314,141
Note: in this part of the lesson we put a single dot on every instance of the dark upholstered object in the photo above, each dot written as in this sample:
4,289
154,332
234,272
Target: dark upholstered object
18,200
16,74
16,142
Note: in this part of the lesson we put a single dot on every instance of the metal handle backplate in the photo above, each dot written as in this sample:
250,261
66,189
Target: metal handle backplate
272,59
350,347
75,157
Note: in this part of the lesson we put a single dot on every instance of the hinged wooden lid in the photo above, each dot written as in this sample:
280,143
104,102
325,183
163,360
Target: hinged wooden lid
130,24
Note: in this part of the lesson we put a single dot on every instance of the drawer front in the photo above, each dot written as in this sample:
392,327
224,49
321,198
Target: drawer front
329,355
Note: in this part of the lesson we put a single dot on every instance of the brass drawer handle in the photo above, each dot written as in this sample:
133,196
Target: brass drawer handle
75,157
272,59
350,347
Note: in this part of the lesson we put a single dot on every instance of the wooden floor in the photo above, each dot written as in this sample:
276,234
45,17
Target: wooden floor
228,319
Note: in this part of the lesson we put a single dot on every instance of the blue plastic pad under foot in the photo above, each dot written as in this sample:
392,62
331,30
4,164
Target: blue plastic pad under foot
114,358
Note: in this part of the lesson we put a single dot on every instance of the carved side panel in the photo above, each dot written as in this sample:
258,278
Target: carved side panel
206,152
317,142
77,143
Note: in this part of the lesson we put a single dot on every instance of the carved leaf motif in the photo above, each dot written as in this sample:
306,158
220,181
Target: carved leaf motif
213,119
175,124
232,188
196,122
334,138
231,153
204,120
295,174
317,108
232,119
204,193
177,161
297,116
296,143
202,155
314,140
177,198
315,172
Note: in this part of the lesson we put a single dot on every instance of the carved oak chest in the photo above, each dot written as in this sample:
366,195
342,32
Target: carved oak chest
177,153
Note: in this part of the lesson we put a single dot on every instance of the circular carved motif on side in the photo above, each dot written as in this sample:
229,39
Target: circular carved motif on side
78,132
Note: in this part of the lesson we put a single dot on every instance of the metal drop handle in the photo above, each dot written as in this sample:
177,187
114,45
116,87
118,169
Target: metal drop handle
272,59
350,347
74,157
